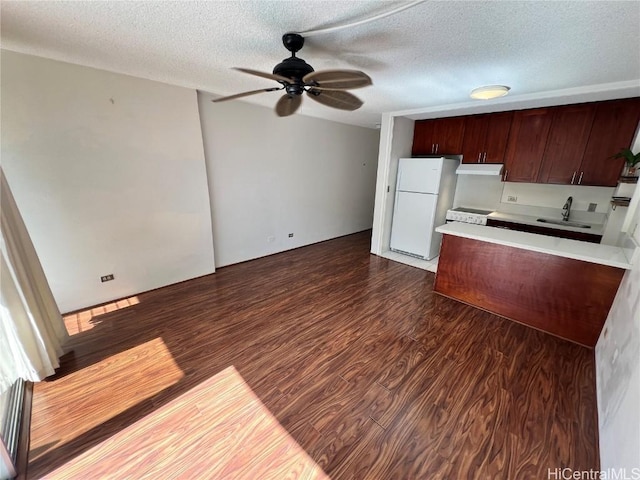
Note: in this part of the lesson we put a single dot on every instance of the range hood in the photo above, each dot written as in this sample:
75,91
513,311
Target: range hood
479,169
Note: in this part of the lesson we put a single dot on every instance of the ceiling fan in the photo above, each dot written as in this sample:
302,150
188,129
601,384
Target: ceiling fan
296,77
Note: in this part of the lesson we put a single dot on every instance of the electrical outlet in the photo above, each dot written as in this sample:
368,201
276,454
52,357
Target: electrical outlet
106,278
512,198
592,207
290,235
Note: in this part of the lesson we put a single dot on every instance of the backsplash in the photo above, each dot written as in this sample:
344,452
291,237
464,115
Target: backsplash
554,196
479,191
491,193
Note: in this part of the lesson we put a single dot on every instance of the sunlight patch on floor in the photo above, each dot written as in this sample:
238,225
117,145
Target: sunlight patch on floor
118,383
218,429
83,321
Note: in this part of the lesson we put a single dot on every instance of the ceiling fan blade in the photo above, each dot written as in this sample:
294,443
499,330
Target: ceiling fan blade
246,94
338,79
335,99
288,104
271,76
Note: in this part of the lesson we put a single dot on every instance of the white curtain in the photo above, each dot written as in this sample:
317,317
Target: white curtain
32,332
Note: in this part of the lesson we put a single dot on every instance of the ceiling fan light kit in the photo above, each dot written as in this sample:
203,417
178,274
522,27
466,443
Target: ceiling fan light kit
489,92
297,77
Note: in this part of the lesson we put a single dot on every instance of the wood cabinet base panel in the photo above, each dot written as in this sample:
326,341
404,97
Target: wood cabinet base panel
565,297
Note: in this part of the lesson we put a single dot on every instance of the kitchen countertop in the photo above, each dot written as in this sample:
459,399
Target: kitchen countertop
562,247
596,229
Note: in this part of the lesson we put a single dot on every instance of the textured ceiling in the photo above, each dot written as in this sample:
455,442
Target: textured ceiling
430,55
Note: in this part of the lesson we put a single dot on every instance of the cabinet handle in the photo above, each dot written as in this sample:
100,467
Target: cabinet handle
506,174
580,179
484,157
573,177
433,148
479,154
437,147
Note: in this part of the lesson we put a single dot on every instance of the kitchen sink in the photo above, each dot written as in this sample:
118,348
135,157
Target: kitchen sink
562,222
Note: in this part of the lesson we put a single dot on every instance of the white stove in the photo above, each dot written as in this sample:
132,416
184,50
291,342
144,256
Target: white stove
468,215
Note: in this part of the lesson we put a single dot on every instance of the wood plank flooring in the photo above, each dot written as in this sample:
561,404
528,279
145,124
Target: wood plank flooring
236,434
373,374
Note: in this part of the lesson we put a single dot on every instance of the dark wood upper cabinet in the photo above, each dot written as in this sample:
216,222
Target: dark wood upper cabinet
423,131
614,125
475,132
527,142
566,144
441,136
485,137
495,144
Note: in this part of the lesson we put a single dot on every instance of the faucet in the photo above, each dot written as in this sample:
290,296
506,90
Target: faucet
566,209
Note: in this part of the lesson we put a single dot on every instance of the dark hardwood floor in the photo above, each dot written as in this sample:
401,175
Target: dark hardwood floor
373,374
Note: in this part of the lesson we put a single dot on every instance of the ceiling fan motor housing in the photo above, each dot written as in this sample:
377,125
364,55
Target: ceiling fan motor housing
293,67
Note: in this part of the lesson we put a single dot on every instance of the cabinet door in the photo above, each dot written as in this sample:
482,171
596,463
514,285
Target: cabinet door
495,144
441,136
566,144
423,143
527,142
614,126
485,137
448,135
475,132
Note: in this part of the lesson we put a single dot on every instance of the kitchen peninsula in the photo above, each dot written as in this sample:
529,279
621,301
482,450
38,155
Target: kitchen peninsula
561,286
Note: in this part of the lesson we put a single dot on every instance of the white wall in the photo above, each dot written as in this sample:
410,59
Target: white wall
396,139
618,373
109,174
271,176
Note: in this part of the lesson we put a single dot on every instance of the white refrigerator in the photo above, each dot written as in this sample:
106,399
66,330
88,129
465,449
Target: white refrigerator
424,192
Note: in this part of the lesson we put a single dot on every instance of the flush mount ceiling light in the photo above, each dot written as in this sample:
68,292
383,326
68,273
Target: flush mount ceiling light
489,91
